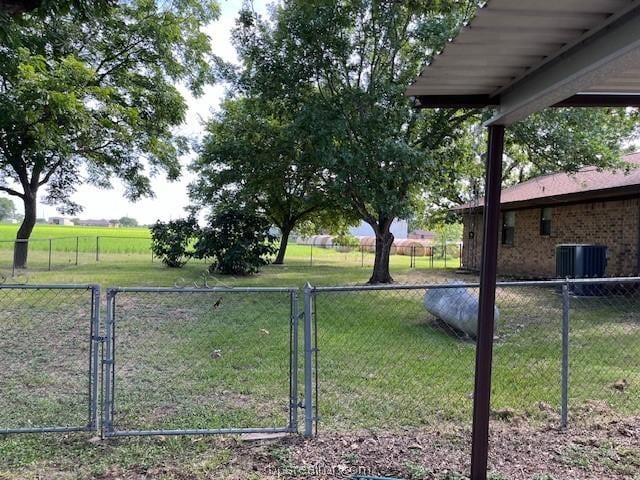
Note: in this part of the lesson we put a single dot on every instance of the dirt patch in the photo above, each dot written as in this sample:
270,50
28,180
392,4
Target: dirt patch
604,451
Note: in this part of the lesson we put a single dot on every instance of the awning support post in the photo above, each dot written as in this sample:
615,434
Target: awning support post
488,272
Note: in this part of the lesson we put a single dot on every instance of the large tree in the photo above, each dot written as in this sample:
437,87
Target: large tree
259,152
93,100
361,55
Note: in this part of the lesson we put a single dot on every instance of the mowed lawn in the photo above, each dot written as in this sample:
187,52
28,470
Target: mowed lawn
128,250
211,360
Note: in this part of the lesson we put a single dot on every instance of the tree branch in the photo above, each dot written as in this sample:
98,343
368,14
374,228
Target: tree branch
11,191
51,171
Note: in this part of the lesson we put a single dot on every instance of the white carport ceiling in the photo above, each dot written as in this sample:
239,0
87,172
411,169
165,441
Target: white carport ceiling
526,55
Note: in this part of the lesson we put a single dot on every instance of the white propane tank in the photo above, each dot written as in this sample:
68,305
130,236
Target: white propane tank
456,306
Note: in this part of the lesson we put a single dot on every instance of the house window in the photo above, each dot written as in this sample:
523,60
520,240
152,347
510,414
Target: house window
508,227
545,221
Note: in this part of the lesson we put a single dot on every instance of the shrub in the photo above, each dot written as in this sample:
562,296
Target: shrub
346,240
171,241
237,240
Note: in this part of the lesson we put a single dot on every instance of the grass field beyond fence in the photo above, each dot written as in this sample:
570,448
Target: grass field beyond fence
54,247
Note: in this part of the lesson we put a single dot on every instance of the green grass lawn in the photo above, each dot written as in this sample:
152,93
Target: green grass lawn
124,255
383,362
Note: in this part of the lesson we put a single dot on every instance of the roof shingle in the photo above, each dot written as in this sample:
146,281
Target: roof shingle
563,187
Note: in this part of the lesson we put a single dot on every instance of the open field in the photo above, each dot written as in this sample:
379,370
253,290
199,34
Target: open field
55,247
390,378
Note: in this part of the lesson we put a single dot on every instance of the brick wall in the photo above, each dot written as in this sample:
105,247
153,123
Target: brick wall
613,223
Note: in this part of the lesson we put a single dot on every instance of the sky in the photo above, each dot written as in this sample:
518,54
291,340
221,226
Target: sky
171,197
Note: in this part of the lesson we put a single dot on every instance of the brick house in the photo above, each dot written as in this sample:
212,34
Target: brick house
588,207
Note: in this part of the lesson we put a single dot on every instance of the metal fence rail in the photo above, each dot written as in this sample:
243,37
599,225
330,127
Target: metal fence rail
382,361
200,361
409,256
48,358
225,360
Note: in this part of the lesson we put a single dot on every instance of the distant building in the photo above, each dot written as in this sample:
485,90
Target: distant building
399,228
59,221
94,223
422,235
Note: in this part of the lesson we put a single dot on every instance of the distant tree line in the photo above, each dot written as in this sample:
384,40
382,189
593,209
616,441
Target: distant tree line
7,209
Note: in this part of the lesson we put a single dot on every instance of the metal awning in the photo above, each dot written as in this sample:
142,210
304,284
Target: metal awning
521,57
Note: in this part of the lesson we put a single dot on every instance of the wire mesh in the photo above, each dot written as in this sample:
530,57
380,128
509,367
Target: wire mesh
604,349
225,360
408,256
527,352
48,373
202,360
385,361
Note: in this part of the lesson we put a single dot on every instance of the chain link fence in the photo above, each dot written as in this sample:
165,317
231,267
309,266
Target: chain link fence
46,254
374,358
221,360
604,348
408,256
48,358
384,361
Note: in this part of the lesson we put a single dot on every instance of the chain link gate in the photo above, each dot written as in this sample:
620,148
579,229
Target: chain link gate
49,342
200,361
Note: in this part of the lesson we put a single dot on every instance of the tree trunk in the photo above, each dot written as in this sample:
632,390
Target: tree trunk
384,242
282,250
21,247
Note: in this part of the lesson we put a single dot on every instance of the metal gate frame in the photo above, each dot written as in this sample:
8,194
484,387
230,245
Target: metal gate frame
109,363
94,341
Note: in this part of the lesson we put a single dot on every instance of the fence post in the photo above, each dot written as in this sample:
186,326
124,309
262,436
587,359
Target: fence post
308,358
564,408
445,255
77,249
13,263
107,366
93,367
293,379
49,254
